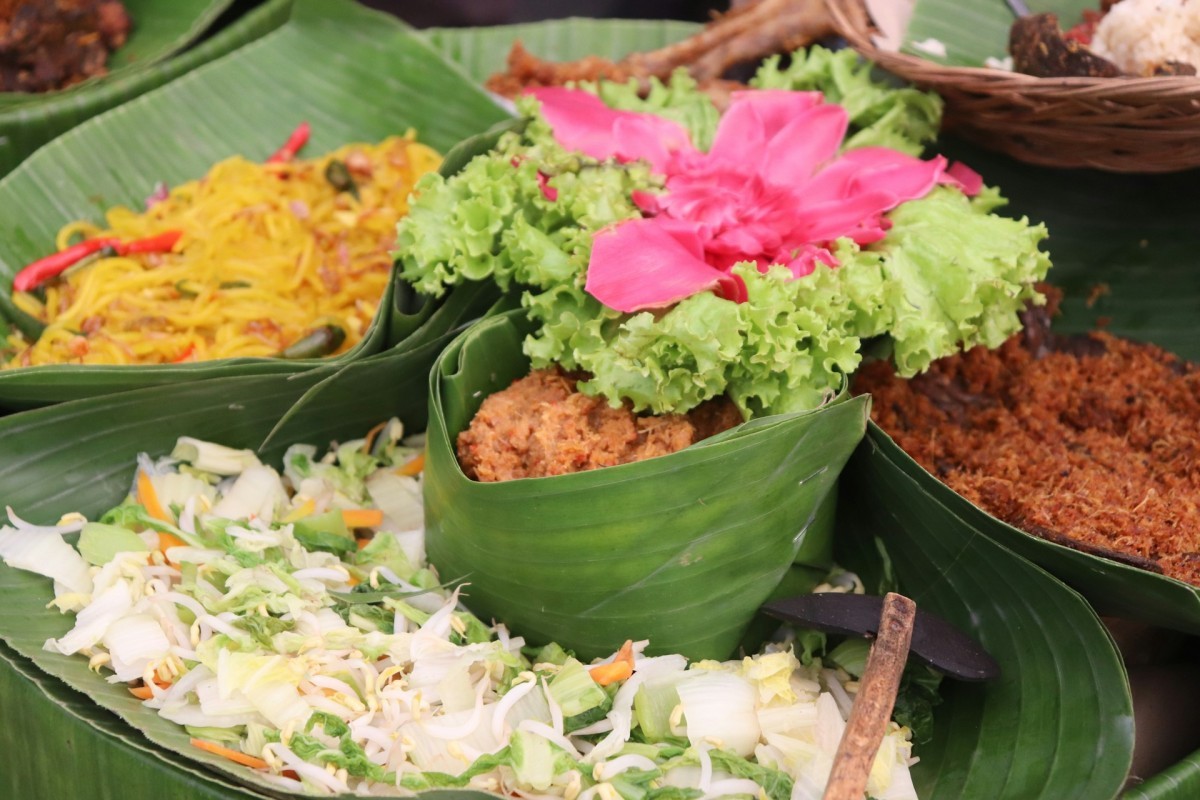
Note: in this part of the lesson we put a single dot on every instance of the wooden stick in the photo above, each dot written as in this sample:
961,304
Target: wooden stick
874,702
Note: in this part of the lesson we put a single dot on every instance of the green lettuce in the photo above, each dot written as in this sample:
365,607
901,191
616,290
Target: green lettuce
790,346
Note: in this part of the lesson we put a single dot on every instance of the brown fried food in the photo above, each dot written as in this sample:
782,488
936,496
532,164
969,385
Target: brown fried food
53,44
1039,48
541,426
746,33
1092,441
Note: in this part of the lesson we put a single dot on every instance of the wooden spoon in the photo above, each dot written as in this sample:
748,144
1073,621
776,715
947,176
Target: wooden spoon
873,704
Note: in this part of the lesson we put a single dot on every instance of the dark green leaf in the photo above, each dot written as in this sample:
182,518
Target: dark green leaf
1059,721
245,104
27,122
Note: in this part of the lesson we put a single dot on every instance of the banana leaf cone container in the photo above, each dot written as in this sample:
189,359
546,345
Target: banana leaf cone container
680,549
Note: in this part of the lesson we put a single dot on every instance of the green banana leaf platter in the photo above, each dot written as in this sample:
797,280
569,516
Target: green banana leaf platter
1057,724
1134,237
169,38
974,30
159,30
245,103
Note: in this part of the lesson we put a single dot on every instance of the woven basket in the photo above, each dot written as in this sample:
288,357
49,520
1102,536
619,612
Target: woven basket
1114,124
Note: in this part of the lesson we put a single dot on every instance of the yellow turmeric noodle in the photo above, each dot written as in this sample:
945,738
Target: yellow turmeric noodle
269,252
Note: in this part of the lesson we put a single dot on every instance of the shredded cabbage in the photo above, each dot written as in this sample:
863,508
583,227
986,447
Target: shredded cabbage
355,671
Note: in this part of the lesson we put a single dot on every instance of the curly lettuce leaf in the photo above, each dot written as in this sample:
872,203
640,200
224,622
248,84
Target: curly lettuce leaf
948,275
494,220
679,99
881,115
958,276
785,349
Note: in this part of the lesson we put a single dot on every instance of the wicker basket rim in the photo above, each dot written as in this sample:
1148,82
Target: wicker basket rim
852,23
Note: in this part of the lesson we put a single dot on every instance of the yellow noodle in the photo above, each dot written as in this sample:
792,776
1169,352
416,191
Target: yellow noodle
310,255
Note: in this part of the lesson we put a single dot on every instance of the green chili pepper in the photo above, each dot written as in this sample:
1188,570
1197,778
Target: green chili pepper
30,327
338,175
187,288
234,285
316,343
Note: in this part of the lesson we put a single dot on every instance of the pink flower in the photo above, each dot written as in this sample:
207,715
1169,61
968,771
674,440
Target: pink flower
773,189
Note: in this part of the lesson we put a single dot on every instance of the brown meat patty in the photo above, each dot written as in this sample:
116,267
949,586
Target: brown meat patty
541,426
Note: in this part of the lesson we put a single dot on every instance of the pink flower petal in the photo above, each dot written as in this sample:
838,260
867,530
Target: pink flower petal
806,260
803,145
754,118
824,222
581,121
548,191
967,180
732,288
648,263
877,169
646,201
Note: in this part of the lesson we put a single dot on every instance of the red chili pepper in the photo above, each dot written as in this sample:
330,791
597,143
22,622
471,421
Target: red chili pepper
292,146
187,353
51,266
54,265
162,243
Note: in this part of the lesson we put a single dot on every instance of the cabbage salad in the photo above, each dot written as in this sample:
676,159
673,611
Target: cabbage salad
290,623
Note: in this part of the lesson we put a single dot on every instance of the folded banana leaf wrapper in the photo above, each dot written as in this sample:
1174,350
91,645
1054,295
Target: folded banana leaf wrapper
1125,255
246,103
680,549
168,39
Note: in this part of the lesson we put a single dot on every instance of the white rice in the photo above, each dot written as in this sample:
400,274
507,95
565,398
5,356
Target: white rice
1138,35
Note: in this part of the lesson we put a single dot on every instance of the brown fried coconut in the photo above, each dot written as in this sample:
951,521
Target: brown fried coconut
541,426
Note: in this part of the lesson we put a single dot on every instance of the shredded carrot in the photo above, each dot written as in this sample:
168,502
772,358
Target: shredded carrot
144,692
369,441
620,668
363,542
166,540
362,517
413,467
233,755
149,498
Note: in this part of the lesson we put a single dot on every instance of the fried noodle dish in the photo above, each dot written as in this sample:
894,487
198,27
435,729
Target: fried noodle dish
287,258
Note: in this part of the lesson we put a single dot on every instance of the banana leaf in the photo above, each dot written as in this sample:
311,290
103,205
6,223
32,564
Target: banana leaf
1180,781
483,51
974,30
1063,691
150,59
93,741
1124,250
1059,721
680,550
160,29
964,564
245,103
